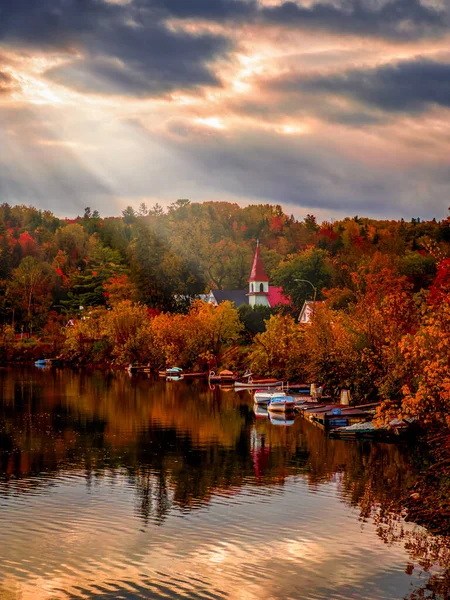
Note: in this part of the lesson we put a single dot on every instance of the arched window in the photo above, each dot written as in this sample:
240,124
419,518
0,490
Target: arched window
261,287
253,288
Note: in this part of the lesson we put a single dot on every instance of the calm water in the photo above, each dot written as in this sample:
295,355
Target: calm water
112,487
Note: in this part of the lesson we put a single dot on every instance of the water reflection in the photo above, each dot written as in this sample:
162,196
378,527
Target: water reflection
124,487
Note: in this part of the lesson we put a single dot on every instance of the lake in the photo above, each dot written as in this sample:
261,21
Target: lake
123,487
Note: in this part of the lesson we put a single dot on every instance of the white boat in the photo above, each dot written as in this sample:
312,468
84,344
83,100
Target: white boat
174,372
279,402
262,397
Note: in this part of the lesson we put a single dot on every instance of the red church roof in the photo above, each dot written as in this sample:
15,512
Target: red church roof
276,296
258,271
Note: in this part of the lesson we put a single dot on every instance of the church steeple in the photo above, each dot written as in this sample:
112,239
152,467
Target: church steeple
258,271
258,282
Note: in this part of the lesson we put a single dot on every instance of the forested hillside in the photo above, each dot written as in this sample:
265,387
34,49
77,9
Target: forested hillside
165,258
127,288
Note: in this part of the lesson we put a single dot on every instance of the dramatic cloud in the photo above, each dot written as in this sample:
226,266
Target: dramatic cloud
311,104
408,86
392,19
113,48
325,172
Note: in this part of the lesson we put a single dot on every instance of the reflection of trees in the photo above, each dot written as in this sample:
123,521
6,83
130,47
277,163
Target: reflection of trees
179,445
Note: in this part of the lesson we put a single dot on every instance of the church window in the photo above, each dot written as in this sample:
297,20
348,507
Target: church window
261,287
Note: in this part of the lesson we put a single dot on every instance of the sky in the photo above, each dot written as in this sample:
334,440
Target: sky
332,107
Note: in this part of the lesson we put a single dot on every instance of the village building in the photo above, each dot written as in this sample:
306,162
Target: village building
307,311
259,292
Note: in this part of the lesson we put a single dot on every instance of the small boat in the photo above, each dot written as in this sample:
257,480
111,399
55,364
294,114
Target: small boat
174,372
47,362
257,383
224,377
41,363
280,402
262,397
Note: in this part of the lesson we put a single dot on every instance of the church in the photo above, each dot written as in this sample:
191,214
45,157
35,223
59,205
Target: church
259,292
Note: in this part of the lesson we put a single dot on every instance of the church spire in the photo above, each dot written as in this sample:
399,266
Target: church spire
258,271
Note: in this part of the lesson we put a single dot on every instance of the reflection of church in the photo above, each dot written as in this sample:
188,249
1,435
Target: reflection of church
259,293
259,452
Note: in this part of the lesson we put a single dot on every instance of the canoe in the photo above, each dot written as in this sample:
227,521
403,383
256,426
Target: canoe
267,383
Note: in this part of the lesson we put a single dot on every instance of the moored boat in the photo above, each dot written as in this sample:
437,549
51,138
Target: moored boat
174,372
257,383
47,362
262,397
280,402
42,362
224,377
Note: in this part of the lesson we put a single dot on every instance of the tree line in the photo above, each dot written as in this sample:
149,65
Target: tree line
129,287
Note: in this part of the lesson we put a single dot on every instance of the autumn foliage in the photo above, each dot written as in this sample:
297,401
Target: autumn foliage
124,289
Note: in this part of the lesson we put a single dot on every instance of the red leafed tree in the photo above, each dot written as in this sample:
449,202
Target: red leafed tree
28,245
440,289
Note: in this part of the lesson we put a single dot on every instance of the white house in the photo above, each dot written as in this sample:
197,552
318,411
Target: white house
307,311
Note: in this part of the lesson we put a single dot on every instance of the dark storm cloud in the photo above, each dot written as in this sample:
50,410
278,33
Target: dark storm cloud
69,23
409,86
126,48
396,19
216,10
143,66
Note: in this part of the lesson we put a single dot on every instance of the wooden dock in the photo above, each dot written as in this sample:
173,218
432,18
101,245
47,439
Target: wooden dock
330,416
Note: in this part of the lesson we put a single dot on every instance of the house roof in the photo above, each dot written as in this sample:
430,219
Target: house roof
307,309
239,297
276,296
258,271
